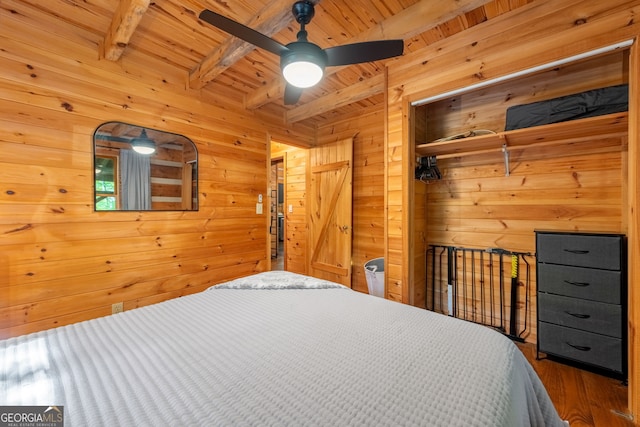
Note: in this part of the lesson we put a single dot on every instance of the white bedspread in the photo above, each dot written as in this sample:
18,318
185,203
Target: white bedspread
280,355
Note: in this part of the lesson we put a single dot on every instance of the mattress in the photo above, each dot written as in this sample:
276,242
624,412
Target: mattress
276,349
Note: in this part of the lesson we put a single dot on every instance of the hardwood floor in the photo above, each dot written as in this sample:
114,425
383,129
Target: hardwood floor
277,263
583,398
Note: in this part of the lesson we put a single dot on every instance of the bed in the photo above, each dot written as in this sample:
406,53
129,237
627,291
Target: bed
276,349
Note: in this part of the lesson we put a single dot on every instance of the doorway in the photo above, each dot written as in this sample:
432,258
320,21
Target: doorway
276,211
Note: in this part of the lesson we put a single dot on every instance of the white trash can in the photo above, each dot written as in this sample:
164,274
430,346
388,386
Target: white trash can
374,273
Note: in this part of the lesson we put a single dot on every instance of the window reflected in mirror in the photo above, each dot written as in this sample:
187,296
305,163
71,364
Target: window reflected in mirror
137,168
106,183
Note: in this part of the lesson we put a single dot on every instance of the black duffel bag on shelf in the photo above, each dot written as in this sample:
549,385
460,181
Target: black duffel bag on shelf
597,102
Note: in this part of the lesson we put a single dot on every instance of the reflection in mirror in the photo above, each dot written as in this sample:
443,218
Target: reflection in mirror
138,168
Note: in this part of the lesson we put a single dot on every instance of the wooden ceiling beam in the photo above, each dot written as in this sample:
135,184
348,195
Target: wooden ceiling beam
350,94
422,16
272,19
123,25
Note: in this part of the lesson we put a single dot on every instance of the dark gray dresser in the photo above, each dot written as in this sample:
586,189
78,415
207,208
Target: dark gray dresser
582,296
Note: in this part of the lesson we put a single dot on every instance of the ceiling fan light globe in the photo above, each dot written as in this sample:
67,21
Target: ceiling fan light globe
303,64
302,74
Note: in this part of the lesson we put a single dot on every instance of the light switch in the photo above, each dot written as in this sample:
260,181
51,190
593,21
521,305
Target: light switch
290,208
259,208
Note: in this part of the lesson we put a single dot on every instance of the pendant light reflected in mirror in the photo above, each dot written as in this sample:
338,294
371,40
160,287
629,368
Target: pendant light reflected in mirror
143,144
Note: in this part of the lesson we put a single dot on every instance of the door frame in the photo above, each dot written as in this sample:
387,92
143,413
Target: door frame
274,161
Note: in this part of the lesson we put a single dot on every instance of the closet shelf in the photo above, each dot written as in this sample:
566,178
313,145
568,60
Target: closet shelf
605,126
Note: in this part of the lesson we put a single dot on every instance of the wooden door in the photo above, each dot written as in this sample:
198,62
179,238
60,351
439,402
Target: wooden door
329,202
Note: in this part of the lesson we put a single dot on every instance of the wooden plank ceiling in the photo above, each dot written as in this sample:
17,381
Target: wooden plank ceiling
222,66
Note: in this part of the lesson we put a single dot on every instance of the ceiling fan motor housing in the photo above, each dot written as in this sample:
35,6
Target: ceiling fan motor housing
303,11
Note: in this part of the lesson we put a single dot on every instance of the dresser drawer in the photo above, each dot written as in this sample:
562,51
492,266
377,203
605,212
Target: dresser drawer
580,282
585,315
587,347
580,250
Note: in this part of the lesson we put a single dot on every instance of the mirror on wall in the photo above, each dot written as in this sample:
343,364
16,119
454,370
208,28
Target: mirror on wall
143,169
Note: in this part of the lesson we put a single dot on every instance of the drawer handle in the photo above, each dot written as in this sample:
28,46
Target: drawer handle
576,251
581,284
578,347
578,315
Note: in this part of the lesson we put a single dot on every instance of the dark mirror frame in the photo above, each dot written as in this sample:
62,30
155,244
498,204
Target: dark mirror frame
125,180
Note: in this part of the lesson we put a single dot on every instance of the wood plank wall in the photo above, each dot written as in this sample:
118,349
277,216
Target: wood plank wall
567,187
438,69
367,129
61,262
295,239
573,187
532,35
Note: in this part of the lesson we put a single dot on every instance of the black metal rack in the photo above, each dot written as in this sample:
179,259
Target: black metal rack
478,289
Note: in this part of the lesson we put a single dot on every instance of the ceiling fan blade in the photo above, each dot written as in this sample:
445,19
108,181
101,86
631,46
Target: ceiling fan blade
291,94
243,32
364,52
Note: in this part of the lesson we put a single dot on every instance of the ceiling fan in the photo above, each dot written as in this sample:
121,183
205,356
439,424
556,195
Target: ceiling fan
303,62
